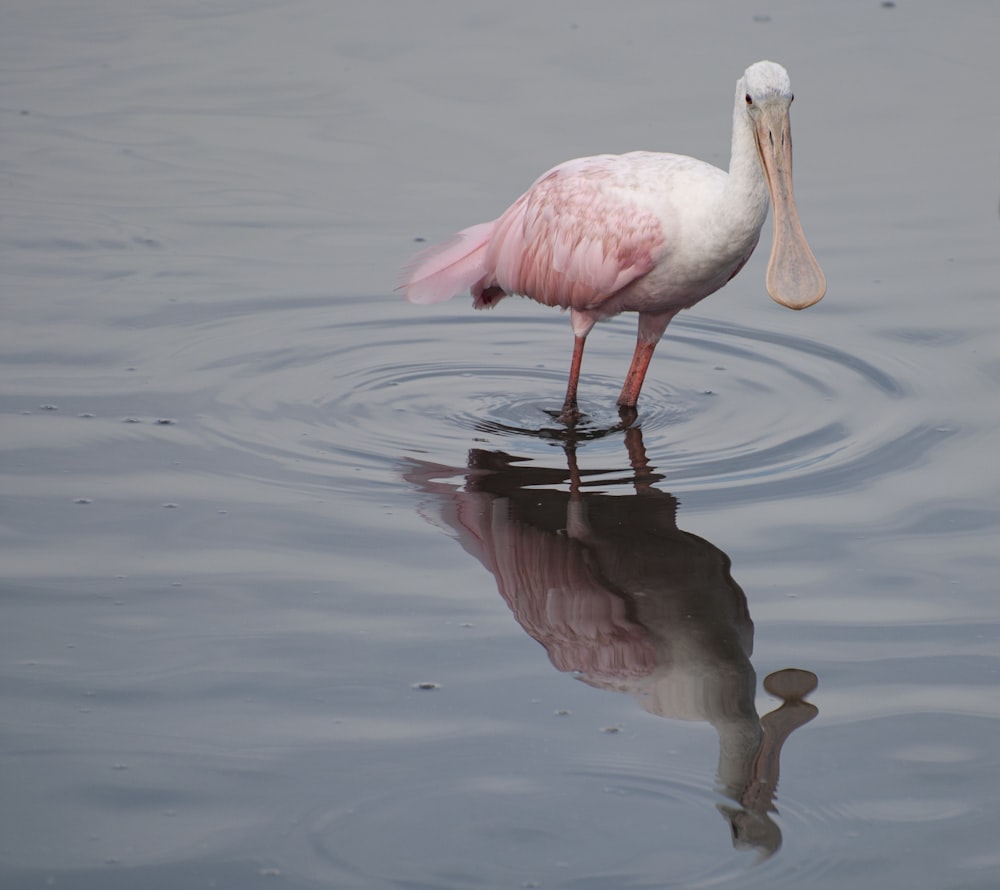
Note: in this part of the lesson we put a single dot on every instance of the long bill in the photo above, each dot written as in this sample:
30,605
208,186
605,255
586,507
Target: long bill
794,278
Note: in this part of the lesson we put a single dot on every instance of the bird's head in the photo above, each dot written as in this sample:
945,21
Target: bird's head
794,278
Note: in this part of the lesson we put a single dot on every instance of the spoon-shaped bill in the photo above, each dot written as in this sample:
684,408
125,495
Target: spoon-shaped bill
794,278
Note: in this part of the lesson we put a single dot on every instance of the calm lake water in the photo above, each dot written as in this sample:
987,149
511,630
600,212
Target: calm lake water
301,586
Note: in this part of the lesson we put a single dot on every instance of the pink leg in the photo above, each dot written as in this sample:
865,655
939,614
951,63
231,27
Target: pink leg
570,412
636,374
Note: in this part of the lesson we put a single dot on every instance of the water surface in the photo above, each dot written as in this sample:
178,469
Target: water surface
302,586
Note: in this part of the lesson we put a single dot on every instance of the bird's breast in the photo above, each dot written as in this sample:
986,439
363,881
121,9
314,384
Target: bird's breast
697,261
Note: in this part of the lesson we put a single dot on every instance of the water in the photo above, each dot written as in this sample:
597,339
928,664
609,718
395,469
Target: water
302,586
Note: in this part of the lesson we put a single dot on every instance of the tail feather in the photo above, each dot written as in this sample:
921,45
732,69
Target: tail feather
441,272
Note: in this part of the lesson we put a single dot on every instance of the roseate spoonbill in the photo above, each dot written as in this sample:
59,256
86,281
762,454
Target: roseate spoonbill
640,232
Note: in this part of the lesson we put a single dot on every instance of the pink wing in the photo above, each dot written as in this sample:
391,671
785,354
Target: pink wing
572,240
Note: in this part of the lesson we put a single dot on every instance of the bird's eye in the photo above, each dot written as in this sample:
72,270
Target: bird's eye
749,99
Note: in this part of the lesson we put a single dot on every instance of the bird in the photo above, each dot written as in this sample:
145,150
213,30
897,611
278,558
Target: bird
645,232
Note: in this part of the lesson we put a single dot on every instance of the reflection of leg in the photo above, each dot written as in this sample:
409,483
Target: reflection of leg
644,476
791,685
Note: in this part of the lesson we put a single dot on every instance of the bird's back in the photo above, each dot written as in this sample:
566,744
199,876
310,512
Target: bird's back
586,235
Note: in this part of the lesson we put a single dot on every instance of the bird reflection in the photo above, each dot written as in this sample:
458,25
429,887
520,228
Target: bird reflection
619,595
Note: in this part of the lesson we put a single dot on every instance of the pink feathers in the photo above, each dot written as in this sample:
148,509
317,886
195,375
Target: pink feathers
572,240
439,273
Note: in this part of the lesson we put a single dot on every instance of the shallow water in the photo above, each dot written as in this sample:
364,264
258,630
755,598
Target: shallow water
303,587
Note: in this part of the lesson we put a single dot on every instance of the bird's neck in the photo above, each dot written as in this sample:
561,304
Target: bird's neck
746,189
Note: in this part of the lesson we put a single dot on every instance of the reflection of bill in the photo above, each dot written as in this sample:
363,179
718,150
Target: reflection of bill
616,593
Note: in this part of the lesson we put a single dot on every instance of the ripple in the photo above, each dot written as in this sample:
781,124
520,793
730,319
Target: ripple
733,412
558,830
622,820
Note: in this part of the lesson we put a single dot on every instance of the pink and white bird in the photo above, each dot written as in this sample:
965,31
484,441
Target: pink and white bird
642,232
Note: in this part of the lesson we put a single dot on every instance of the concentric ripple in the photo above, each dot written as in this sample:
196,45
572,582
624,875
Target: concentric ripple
614,820
737,413
648,834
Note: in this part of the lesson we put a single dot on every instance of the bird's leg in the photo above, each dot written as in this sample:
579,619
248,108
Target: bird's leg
651,328
570,412
583,323
636,374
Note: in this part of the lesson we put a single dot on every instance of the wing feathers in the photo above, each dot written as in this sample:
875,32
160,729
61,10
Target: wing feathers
439,273
574,239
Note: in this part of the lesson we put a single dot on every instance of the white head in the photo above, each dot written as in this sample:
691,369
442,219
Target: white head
765,80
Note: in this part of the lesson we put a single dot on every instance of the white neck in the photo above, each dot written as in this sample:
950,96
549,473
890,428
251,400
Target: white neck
746,189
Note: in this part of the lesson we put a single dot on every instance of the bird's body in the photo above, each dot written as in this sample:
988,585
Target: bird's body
645,232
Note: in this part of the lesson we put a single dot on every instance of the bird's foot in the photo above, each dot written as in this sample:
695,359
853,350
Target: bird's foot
628,414
569,416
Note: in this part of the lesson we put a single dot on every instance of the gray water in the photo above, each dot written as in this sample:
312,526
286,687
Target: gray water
301,586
